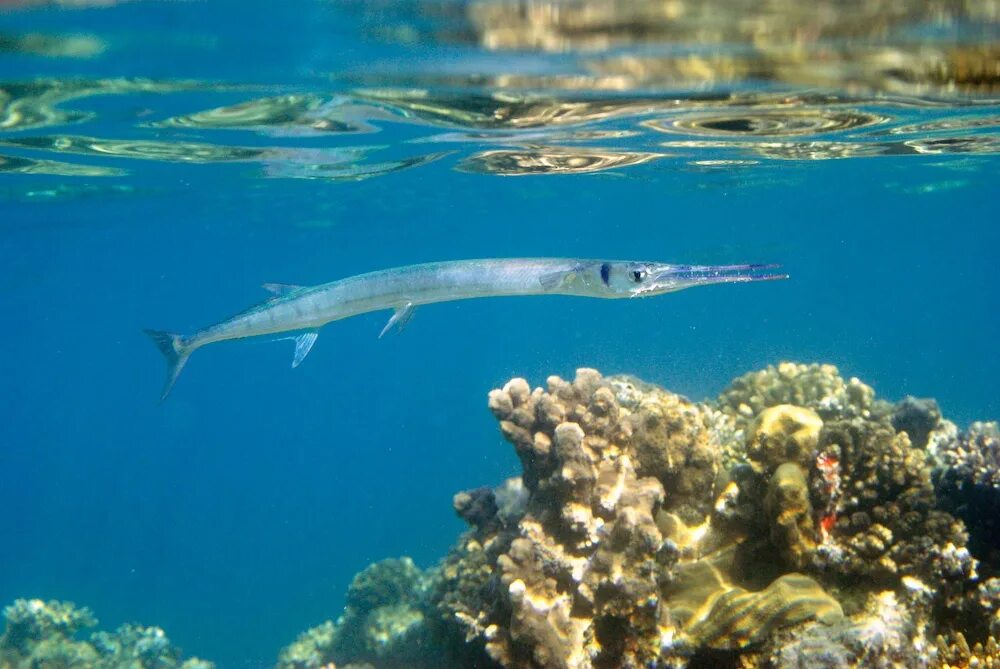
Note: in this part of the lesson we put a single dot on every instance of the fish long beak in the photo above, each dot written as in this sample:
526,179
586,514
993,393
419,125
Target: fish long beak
677,277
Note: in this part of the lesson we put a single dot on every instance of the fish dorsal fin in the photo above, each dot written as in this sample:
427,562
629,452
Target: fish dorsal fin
303,344
400,317
553,280
279,289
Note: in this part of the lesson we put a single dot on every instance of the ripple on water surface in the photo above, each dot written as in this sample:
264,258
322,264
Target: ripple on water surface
512,87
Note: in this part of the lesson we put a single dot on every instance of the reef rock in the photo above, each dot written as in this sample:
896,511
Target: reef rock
918,418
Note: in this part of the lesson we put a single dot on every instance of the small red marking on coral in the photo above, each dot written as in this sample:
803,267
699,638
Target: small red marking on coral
826,461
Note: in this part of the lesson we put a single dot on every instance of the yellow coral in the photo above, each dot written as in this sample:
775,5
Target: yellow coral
784,433
713,612
954,653
790,514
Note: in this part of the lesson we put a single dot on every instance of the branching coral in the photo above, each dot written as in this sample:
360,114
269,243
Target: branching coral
954,652
580,576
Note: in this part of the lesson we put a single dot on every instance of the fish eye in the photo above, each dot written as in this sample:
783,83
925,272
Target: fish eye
638,275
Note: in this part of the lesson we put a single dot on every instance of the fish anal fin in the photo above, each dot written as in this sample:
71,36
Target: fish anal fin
400,317
279,289
303,344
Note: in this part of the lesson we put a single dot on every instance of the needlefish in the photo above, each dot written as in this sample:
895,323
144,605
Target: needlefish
305,309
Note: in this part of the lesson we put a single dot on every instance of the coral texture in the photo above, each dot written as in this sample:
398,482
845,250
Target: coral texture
390,620
625,554
968,484
955,653
886,634
379,620
783,433
887,523
795,521
814,386
41,635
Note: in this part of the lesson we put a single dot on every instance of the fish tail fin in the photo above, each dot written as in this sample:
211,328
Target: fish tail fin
175,350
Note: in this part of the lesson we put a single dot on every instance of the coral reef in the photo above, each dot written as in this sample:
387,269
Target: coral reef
816,387
918,418
887,525
43,635
795,521
379,620
783,433
968,482
887,634
955,653
790,514
617,560
388,621
714,613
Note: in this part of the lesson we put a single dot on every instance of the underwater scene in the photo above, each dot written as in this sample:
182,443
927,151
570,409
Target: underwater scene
569,334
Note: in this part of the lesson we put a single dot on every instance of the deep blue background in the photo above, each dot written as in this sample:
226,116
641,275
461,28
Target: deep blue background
235,514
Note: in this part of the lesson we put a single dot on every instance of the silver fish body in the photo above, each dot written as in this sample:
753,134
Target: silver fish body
403,289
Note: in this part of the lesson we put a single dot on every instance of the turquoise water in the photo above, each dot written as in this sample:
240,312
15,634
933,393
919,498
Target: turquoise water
160,161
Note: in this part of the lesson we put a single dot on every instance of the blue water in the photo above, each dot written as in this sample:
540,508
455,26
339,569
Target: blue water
234,514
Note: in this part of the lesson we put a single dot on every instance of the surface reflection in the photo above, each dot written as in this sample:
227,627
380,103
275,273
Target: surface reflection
543,87
552,160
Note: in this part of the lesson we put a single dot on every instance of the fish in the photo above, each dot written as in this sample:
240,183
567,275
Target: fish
305,309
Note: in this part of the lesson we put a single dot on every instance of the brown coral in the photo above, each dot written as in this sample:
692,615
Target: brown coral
648,530
621,480
817,387
587,557
888,526
871,488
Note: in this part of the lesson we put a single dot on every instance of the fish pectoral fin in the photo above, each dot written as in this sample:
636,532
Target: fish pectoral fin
400,317
303,344
554,280
279,289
